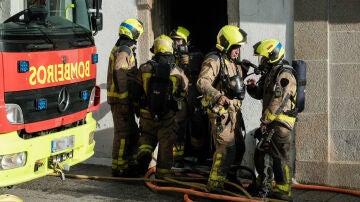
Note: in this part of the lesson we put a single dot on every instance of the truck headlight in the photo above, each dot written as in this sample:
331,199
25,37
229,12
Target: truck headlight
14,114
10,161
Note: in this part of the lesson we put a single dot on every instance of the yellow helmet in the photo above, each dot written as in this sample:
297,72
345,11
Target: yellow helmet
131,28
163,44
228,36
180,33
270,49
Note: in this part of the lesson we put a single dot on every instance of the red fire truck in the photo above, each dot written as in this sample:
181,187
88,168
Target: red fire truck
48,87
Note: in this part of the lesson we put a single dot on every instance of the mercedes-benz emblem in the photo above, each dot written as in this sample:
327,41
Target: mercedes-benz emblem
63,99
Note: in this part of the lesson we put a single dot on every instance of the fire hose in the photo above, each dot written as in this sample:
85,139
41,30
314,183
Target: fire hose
198,189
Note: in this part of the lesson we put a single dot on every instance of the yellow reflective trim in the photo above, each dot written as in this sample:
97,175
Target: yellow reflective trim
112,92
114,164
163,171
118,95
146,147
215,167
145,78
144,111
286,118
121,150
112,58
280,117
173,79
132,58
178,150
270,115
285,187
221,111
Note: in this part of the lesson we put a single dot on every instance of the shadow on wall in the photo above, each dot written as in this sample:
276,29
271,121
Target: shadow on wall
250,144
104,106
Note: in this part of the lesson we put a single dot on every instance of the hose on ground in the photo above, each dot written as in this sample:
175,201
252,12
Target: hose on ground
198,189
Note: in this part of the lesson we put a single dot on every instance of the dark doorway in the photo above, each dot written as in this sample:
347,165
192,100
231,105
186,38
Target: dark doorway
203,19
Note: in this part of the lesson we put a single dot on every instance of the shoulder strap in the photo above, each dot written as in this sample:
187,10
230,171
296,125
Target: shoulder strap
284,68
124,48
219,76
213,55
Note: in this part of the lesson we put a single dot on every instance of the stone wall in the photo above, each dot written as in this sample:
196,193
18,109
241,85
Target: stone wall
327,37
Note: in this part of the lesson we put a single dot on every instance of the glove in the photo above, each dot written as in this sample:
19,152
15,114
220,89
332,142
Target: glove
246,64
251,83
223,101
185,59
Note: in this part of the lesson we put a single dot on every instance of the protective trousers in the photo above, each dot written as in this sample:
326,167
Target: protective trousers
275,162
125,139
229,147
162,132
179,146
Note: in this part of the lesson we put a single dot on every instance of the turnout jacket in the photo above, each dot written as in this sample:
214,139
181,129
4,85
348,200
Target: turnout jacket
278,93
210,85
122,69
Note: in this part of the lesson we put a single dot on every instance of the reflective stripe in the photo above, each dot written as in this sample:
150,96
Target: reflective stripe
119,165
112,92
215,168
221,111
118,95
114,164
146,148
163,171
121,160
145,78
144,111
284,187
173,79
279,117
178,150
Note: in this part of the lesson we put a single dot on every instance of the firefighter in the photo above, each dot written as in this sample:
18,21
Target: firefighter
122,71
221,83
277,89
164,84
192,123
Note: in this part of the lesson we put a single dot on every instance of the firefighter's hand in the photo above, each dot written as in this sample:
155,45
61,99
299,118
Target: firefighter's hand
262,128
251,82
185,59
223,101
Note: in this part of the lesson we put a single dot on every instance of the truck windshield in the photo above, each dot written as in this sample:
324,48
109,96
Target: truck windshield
46,25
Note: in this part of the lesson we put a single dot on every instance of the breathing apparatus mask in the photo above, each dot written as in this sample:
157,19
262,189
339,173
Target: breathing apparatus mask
236,87
181,49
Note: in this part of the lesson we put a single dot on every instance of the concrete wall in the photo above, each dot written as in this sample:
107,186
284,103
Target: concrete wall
327,36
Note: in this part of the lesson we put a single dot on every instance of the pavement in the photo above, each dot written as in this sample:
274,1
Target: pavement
73,188
98,167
